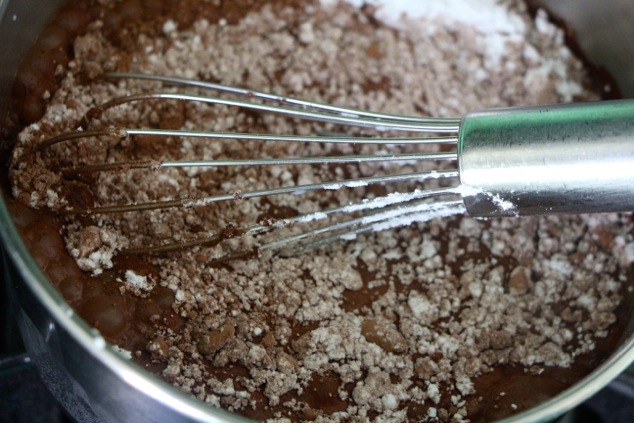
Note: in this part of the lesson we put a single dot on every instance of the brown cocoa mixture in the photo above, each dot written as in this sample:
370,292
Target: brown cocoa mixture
450,320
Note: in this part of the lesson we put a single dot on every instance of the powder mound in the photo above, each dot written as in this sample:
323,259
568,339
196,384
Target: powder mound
94,248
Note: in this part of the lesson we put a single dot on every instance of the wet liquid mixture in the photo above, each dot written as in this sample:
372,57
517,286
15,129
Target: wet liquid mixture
450,320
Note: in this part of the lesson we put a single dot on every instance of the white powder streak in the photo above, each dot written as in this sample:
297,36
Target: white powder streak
310,217
487,16
467,190
348,184
393,198
491,19
137,281
423,213
501,204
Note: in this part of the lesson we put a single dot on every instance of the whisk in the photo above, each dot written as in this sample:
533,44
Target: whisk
572,158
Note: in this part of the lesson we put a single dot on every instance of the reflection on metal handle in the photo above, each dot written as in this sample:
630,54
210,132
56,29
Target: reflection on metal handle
576,158
14,363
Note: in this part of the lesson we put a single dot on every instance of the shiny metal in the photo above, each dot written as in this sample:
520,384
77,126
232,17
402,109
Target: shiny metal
289,107
602,31
93,381
16,36
572,158
576,158
299,108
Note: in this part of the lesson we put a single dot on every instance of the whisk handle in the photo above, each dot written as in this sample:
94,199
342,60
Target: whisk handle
568,158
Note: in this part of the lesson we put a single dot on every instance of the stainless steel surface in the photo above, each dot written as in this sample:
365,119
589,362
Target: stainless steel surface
604,30
89,377
575,158
20,24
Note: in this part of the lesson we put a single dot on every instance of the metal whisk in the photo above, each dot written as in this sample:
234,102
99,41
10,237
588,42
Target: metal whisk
573,158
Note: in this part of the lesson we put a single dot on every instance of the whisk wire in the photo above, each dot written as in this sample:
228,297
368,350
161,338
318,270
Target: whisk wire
387,211
302,104
388,218
120,132
387,124
296,189
389,206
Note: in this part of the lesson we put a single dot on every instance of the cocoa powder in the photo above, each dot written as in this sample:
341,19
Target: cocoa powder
396,325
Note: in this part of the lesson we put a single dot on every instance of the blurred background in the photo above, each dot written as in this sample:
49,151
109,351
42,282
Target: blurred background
604,30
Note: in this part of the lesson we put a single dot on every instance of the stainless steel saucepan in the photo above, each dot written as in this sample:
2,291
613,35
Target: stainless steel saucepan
96,384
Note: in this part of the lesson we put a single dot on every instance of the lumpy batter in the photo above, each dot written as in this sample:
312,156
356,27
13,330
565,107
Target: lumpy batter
450,320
